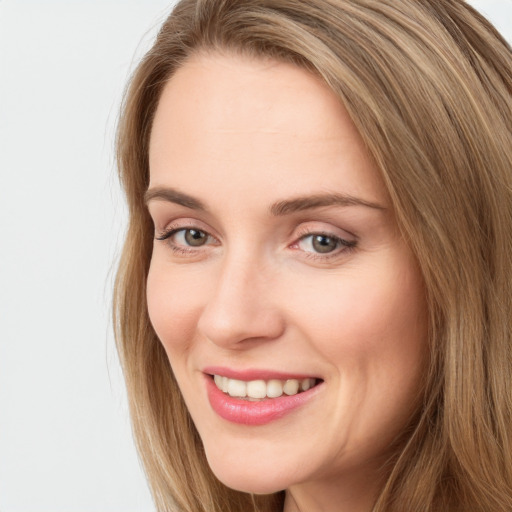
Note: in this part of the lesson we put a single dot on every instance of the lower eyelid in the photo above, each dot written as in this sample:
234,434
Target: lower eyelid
339,253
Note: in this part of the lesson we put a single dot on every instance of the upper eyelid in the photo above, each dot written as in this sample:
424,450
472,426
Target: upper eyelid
304,229
169,232
186,223
194,221
347,241
347,244
333,231
324,233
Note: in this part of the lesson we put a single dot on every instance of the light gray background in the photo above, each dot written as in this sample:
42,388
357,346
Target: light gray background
65,440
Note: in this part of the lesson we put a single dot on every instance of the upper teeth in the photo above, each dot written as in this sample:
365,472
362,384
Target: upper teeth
258,389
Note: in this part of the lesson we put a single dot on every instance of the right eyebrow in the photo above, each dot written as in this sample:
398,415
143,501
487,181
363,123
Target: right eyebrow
173,196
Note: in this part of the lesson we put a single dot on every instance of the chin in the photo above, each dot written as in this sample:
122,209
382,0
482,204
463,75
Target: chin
250,480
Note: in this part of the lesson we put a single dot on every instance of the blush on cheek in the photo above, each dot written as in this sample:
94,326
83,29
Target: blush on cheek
160,307
173,308
379,315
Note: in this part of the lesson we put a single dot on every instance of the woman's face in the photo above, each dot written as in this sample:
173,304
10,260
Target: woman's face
277,264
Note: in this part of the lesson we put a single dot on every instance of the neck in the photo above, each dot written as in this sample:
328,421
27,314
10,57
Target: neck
337,495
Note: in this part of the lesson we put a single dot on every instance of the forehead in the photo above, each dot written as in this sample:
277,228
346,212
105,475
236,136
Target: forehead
238,121
233,90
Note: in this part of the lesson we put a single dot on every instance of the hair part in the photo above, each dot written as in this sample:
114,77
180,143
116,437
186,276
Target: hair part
428,84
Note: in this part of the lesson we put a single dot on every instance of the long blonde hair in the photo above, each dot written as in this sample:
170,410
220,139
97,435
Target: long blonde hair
428,83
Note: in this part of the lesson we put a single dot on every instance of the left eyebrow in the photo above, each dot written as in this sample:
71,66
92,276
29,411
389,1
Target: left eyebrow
289,206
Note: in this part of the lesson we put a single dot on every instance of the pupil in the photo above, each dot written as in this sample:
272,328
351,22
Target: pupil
194,237
323,244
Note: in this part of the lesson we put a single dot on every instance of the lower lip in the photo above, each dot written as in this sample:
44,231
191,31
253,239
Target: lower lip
245,412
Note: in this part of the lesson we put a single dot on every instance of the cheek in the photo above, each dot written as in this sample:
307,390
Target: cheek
361,314
371,327
174,300
372,330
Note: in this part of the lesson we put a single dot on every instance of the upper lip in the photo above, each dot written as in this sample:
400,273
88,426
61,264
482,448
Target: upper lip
255,374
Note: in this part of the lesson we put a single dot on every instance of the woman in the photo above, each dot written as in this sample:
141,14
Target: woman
313,304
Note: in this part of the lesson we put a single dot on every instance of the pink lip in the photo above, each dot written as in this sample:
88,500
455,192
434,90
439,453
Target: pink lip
245,412
253,374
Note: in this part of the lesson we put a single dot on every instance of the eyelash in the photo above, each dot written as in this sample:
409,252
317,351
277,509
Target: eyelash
177,249
346,246
342,246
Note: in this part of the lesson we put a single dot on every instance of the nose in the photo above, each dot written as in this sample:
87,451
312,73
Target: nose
242,306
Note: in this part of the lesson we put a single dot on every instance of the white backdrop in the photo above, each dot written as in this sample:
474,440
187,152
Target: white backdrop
65,440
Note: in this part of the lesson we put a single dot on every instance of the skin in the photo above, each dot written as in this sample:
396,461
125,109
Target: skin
240,135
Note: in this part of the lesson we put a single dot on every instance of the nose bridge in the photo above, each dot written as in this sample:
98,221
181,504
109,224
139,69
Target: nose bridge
240,305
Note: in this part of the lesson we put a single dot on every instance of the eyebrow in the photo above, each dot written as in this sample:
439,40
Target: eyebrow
279,208
289,206
173,196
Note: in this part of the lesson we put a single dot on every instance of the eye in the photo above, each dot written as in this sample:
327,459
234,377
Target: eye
186,238
192,237
321,243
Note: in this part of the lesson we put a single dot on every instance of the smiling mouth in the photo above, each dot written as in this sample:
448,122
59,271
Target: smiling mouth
258,390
